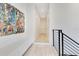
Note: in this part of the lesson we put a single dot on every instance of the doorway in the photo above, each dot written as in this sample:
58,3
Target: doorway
42,10
42,30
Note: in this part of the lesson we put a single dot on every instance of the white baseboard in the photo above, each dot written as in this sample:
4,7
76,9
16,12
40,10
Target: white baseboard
27,50
39,43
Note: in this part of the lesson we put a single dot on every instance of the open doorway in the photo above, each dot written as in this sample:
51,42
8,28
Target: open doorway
42,23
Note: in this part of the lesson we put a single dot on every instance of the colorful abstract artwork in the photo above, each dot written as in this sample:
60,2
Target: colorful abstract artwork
11,20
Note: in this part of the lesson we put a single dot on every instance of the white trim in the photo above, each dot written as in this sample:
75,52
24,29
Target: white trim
40,43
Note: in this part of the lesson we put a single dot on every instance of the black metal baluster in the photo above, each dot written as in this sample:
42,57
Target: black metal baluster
59,40
53,37
62,45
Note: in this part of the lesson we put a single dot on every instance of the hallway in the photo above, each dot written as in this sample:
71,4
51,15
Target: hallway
41,50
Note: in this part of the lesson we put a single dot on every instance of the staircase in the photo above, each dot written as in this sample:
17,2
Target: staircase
64,45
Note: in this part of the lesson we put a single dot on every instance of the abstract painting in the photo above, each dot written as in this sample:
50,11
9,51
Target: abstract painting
11,20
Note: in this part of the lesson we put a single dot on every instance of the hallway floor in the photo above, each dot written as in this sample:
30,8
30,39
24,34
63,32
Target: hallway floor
41,50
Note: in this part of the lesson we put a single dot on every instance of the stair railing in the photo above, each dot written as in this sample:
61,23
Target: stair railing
64,45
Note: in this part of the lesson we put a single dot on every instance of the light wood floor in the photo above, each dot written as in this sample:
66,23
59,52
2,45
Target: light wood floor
42,37
41,50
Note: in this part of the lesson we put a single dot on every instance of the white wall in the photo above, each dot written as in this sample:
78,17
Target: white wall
66,17
16,44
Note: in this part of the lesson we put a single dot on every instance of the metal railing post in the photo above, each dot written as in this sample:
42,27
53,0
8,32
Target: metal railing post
59,41
62,45
53,37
